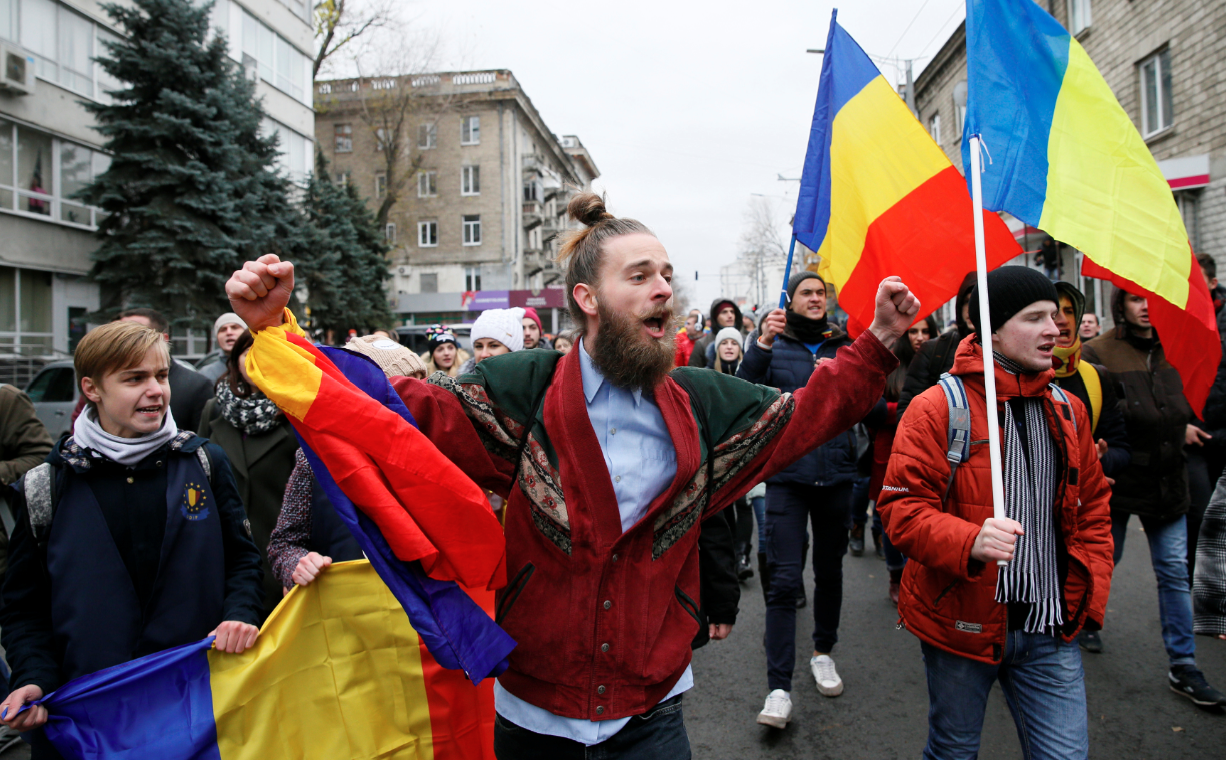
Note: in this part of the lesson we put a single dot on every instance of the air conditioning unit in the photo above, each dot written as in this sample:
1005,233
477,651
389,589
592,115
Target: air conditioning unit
403,271
16,70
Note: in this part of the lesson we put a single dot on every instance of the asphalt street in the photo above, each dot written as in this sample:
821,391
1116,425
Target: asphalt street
882,712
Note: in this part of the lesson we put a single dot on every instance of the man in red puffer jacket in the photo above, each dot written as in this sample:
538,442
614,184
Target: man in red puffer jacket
978,622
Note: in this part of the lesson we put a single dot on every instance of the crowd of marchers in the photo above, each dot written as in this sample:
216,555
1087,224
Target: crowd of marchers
180,504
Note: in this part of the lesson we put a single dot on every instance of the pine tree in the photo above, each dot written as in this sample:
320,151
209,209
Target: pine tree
191,192
344,279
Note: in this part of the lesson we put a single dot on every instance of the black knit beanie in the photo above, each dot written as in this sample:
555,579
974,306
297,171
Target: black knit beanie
797,278
1012,289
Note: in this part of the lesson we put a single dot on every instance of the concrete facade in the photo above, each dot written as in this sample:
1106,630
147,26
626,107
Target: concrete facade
48,149
1122,37
526,174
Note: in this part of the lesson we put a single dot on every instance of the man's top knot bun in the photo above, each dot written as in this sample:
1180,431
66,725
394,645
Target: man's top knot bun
588,209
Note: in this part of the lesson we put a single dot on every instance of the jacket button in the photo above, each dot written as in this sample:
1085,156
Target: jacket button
604,647
607,604
130,480
600,710
600,690
614,557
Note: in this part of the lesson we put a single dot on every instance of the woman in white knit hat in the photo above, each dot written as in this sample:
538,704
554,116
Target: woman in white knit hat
496,332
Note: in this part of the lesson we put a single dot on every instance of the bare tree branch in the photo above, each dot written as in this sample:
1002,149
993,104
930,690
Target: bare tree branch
762,245
340,22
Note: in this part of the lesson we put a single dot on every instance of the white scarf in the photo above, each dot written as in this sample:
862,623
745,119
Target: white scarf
125,451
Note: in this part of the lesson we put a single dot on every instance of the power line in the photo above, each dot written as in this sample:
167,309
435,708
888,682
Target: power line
904,31
940,29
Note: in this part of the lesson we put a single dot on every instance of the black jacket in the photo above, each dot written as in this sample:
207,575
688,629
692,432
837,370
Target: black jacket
935,358
189,392
1110,424
699,357
25,613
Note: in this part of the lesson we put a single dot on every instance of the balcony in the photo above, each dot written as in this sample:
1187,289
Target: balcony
532,214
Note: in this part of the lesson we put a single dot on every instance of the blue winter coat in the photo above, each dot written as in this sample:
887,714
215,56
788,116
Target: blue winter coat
788,367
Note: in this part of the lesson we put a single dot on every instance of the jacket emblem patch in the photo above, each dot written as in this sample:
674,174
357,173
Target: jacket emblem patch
193,506
969,627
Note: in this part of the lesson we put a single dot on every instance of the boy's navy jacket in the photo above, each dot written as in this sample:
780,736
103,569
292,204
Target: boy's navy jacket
138,559
787,366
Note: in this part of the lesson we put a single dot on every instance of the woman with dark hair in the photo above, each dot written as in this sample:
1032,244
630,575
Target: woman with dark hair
261,445
883,428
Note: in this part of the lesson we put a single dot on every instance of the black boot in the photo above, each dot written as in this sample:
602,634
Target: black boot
744,570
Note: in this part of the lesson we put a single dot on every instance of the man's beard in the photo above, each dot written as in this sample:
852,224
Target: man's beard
625,356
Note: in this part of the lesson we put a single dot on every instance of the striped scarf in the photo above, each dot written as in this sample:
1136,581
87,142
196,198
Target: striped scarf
1030,476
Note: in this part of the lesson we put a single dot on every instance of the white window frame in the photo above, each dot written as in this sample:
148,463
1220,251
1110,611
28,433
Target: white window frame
346,135
1079,16
389,232
53,185
343,178
427,136
427,234
472,278
427,184
380,186
470,130
380,139
934,127
1159,63
18,334
470,180
472,229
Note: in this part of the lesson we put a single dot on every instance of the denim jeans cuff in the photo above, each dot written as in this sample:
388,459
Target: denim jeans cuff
1183,661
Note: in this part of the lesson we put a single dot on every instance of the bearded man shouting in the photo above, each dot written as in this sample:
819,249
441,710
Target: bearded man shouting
610,464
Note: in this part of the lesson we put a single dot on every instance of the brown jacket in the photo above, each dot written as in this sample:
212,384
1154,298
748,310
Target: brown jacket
24,443
1156,414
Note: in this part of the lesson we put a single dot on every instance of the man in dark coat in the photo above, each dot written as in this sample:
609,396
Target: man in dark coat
937,355
817,489
1155,486
724,313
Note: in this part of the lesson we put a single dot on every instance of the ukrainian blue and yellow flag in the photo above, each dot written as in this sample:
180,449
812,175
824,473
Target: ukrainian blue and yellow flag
1066,158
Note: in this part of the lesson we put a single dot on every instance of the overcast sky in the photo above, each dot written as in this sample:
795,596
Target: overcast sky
687,108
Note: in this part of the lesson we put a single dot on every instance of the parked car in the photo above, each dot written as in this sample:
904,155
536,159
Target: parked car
54,393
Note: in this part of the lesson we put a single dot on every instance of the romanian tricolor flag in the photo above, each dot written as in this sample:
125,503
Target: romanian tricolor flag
338,673
427,529
1066,158
878,197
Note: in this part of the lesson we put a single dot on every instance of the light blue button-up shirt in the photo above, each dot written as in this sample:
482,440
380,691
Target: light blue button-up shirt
642,462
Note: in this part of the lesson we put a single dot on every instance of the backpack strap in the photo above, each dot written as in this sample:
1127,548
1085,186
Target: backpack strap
206,462
1058,393
959,434
40,491
1094,389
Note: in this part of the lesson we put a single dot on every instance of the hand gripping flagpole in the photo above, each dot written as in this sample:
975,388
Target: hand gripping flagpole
787,275
983,321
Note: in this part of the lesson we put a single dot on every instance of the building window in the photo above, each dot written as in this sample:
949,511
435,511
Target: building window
472,229
344,178
427,136
427,184
266,54
344,138
1188,202
1078,15
532,191
63,43
25,312
472,278
1156,109
470,180
381,140
934,127
39,174
427,234
295,150
389,233
429,283
470,130
380,186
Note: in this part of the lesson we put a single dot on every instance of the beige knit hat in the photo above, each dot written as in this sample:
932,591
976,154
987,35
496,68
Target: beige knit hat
394,359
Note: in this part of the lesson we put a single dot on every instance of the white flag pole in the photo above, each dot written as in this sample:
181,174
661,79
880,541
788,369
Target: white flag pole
983,321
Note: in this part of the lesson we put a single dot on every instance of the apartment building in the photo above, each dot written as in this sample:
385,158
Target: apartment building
475,224
1166,63
49,149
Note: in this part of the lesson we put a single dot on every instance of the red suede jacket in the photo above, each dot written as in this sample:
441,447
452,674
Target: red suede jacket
948,599
604,619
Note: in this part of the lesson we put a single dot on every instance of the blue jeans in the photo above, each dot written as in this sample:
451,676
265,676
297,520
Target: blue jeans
859,503
789,509
894,559
759,513
658,734
1168,552
1044,686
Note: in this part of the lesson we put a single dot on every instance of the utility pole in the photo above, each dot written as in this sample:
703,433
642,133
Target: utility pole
910,90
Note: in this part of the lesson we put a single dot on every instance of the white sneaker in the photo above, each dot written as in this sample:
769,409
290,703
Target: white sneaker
828,681
778,709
